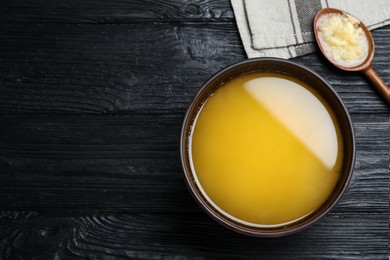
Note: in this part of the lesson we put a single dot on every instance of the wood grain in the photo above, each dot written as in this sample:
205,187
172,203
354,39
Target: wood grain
118,11
130,162
94,69
172,236
92,98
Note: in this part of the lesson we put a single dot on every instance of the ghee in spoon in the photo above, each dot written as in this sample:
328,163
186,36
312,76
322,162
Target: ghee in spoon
343,40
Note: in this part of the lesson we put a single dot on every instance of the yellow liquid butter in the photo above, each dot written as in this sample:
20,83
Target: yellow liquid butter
265,150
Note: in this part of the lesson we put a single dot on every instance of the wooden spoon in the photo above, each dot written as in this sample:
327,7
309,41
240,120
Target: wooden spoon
365,65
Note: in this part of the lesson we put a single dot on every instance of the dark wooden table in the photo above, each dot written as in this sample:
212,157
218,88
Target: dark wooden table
92,98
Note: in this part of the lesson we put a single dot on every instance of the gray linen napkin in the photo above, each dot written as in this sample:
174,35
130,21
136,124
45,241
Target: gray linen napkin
284,28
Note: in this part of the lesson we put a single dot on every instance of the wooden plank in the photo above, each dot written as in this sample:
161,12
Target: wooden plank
131,162
92,97
118,11
183,236
95,69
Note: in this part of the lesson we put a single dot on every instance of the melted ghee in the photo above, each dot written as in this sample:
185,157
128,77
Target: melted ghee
266,150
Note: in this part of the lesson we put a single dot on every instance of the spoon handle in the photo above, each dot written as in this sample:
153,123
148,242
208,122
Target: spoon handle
378,82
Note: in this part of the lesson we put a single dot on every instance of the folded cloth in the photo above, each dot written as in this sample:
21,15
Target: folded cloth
284,28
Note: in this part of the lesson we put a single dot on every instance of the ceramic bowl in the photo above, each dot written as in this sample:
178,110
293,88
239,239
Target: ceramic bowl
323,89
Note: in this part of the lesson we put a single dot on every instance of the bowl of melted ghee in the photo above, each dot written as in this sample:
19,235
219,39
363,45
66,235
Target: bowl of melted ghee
267,147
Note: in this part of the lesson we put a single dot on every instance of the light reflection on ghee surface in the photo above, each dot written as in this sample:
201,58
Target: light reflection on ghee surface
266,150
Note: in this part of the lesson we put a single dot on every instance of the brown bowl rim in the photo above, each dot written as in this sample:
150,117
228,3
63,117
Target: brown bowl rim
230,223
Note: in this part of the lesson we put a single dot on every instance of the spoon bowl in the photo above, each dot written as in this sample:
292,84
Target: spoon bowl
365,65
